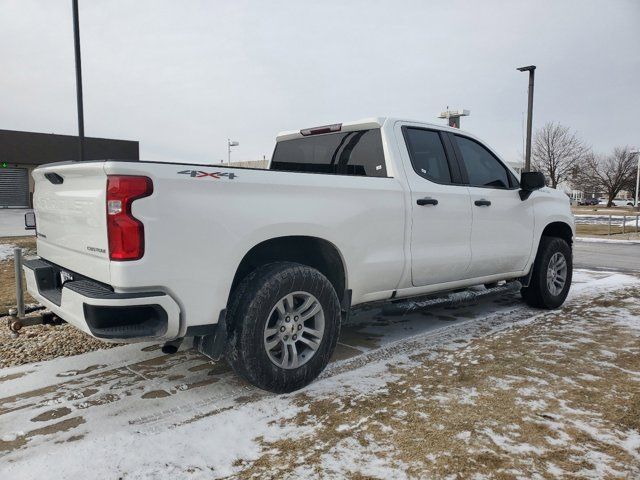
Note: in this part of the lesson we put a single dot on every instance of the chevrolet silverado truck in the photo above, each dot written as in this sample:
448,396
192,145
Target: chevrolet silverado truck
262,266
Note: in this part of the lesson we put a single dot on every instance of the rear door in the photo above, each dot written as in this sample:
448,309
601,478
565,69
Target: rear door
502,232
70,206
440,209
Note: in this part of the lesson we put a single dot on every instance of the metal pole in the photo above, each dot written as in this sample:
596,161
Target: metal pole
76,41
17,263
527,164
624,222
637,180
527,160
609,225
229,151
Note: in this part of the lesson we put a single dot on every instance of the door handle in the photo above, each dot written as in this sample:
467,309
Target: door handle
427,201
482,203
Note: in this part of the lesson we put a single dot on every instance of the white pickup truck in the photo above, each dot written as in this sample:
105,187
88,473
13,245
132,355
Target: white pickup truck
262,266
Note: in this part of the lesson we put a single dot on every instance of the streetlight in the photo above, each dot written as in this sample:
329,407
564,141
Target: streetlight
527,160
637,154
231,143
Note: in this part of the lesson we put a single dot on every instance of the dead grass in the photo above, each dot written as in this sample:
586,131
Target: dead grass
596,229
558,395
7,273
602,210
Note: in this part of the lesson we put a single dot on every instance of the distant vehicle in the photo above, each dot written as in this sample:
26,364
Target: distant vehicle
589,201
605,203
262,266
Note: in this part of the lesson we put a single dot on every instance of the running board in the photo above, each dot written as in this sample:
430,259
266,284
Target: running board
402,307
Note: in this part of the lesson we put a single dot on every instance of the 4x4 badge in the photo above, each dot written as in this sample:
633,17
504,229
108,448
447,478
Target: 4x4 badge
201,174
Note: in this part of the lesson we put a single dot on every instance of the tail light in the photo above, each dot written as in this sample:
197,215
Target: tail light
125,232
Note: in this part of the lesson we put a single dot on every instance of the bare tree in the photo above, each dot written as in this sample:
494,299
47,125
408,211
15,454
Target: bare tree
557,152
611,173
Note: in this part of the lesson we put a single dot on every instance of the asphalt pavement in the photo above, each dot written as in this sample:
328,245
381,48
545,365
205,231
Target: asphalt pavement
624,257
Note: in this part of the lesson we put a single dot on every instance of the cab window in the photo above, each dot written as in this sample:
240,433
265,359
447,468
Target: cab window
483,168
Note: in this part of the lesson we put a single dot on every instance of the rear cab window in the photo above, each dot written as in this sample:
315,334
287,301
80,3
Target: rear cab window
358,153
427,154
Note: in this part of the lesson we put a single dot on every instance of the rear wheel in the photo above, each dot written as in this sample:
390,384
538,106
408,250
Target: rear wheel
551,276
285,321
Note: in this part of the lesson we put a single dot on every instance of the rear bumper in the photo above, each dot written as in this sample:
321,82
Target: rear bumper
96,309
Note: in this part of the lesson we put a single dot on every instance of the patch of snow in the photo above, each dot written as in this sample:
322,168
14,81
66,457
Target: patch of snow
6,251
509,446
588,377
627,320
605,240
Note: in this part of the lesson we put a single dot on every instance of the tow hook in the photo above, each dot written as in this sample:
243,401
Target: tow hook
17,323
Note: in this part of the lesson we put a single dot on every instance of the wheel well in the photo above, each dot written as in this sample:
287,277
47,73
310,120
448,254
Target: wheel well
559,230
312,251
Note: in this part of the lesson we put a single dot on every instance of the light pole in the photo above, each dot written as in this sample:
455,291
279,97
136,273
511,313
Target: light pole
637,153
527,159
76,43
230,144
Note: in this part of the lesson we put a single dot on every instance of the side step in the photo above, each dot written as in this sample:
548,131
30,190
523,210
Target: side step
403,307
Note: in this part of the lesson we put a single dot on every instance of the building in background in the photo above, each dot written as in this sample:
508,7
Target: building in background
250,164
21,152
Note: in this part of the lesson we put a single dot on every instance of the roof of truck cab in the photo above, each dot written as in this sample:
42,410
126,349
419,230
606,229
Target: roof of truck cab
367,123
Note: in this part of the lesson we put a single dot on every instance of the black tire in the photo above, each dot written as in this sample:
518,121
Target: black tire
538,294
250,309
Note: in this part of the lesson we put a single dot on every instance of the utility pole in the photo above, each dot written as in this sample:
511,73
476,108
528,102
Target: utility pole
76,41
527,159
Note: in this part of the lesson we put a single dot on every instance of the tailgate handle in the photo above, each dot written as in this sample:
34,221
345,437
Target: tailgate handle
54,178
482,203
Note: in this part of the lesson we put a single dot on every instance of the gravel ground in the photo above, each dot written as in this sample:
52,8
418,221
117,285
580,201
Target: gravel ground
44,342
41,342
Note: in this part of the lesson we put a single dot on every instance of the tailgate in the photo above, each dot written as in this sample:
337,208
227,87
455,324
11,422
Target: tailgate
70,207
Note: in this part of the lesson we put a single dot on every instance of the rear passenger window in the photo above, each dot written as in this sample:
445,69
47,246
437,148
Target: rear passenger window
427,154
483,168
345,153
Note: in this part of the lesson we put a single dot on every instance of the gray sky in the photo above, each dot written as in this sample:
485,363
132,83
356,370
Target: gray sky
182,76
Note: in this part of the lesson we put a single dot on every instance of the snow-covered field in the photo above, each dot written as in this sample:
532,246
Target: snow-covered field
490,388
617,220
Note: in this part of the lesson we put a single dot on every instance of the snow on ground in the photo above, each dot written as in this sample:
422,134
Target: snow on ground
606,240
618,220
6,251
470,388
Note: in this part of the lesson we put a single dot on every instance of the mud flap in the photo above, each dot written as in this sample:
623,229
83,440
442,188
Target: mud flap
212,345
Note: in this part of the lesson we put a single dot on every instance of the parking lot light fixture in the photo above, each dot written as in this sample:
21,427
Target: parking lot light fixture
230,143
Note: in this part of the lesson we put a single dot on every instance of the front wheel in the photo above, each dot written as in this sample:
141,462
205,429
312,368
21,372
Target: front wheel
285,320
551,276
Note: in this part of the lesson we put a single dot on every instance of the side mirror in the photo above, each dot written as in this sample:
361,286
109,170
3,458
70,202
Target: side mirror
29,221
530,181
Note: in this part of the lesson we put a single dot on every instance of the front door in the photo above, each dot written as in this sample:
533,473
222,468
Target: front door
502,232
440,209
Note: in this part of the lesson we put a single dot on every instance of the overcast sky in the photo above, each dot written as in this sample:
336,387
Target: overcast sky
182,76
